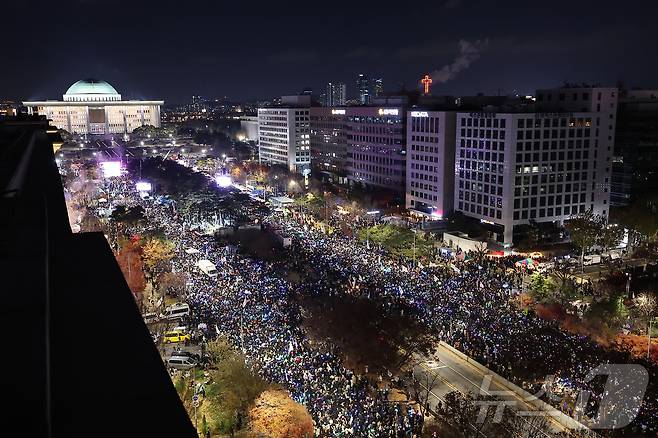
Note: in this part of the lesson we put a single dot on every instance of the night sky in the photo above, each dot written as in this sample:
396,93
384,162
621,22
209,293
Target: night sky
171,50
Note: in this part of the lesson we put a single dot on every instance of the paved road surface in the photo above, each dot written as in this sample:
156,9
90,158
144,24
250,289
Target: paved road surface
445,372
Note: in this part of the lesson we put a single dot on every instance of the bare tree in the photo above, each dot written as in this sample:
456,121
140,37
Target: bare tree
534,426
421,387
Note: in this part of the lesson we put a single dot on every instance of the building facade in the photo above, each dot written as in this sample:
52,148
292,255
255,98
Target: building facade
636,145
95,107
328,128
284,137
621,182
602,103
430,162
363,89
336,94
377,87
376,151
515,168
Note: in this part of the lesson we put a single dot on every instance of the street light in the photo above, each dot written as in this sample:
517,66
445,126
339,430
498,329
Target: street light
651,321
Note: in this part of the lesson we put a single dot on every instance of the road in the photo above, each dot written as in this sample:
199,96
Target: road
445,372
596,272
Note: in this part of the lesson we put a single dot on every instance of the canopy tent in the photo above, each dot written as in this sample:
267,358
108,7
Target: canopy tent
528,262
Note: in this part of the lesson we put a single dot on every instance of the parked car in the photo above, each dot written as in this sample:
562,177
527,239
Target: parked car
150,317
544,267
176,311
181,362
183,353
176,336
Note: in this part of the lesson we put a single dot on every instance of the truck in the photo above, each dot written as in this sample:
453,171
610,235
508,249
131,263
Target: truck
593,259
207,267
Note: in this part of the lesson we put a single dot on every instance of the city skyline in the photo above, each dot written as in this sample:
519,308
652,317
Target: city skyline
228,55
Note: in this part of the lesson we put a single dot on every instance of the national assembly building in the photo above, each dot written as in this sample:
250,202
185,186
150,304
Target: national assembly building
92,106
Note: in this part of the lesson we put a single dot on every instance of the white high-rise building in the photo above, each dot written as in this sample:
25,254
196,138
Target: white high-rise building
284,137
91,106
430,162
543,166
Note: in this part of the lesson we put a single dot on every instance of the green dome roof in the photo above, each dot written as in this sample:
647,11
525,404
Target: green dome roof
91,86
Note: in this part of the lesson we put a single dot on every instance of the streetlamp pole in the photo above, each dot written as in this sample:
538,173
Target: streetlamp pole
649,343
414,231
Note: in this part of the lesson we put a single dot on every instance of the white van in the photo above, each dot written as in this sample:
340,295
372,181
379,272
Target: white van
207,267
176,311
590,260
150,317
181,362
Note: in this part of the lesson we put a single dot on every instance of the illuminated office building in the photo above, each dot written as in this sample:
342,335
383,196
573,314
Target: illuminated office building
546,165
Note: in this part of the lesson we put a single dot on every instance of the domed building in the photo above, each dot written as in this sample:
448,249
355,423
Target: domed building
92,106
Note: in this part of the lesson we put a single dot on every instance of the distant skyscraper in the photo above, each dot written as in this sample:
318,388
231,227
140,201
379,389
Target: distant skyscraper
336,94
377,87
363,88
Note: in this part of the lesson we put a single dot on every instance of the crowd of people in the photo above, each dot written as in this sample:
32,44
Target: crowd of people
469,304
251,304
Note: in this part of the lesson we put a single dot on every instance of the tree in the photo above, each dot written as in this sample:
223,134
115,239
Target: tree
646,304
130,262
90,222
236,388
565,289
156,254
172,283
463,412
129,216
610,236
422,385
584,229
534,426
540,288
218,351
398,241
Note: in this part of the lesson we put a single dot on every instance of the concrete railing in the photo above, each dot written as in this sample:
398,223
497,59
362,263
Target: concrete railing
538,404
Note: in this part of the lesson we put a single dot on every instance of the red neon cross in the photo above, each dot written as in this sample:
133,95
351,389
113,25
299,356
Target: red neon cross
427,80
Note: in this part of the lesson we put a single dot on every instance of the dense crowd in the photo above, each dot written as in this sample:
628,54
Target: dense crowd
470,304
251,305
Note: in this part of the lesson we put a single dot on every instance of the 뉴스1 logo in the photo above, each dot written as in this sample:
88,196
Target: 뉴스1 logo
614,408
